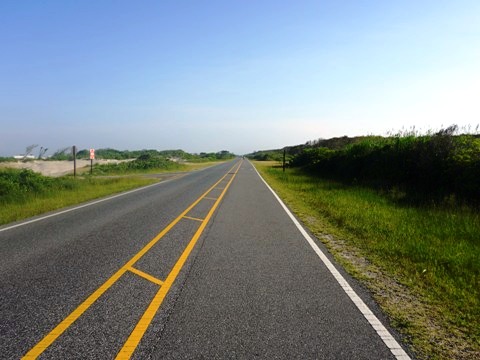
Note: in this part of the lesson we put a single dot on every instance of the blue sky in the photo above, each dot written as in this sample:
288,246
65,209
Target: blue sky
232,75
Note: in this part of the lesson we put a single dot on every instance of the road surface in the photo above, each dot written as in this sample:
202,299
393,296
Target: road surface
209,265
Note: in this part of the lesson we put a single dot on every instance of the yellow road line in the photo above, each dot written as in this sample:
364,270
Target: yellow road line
146,276
139,330
193,218
43,344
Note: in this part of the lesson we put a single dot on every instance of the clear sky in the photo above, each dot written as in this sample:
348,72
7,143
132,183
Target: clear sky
237,75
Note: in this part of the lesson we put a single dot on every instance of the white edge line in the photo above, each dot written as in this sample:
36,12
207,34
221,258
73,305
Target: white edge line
384,334
82,206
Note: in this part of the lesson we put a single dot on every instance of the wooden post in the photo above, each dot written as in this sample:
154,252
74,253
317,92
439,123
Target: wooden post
74,152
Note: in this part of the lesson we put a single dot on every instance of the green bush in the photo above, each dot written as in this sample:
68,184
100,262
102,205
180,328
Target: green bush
143,163
267,155
437,167
18,184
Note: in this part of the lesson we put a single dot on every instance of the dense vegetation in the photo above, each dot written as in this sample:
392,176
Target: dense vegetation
442,167
19,184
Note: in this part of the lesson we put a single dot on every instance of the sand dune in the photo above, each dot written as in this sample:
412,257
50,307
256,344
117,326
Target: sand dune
54,168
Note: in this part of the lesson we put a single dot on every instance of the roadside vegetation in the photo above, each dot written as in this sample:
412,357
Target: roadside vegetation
146,163
152,161
401,214
24,193
113,154
440,168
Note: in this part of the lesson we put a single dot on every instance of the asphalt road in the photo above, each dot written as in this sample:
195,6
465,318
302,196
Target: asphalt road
208,265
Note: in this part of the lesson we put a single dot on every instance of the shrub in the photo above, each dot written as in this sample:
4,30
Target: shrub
16,184
143,163
427,168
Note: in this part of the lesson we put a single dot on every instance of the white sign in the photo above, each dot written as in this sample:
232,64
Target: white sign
92,154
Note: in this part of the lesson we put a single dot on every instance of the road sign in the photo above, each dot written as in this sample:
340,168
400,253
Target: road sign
92,154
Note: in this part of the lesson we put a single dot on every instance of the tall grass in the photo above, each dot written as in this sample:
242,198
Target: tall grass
433,250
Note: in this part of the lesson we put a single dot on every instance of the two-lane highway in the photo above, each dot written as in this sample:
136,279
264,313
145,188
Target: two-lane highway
208,265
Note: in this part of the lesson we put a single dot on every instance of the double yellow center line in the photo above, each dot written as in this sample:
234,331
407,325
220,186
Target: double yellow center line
165,285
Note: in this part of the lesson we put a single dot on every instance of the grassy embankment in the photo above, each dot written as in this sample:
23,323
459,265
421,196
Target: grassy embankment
401,214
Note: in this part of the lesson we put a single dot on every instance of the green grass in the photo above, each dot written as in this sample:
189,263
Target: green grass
29,194
434,253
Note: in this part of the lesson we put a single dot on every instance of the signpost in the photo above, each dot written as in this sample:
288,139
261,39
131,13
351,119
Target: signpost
92,157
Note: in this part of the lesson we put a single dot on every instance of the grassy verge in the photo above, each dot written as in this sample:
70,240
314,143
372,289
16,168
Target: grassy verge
422,264
24,193
42,194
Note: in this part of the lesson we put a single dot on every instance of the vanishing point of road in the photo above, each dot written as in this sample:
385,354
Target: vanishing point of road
207,265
